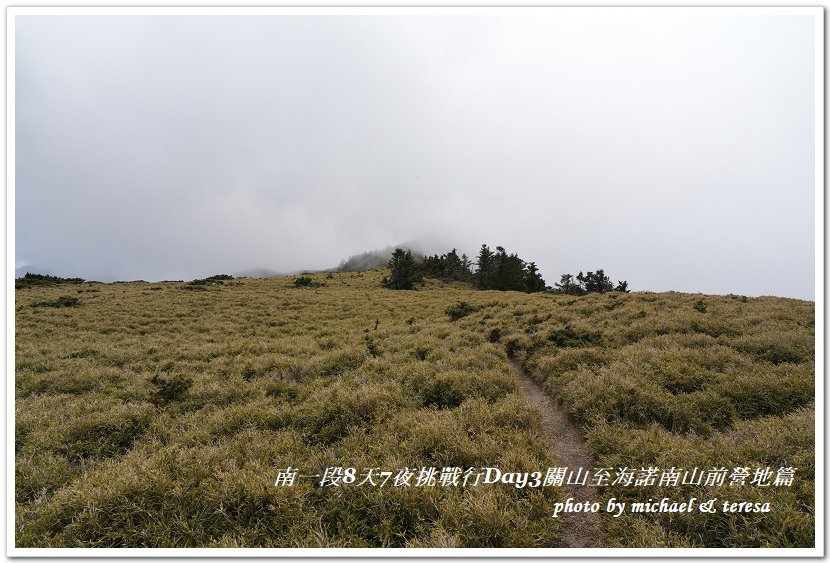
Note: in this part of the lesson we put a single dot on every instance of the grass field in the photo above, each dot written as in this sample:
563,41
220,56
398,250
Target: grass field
157,414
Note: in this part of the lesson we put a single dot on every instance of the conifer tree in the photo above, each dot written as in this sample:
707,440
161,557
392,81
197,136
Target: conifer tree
533,280
405,272
485,264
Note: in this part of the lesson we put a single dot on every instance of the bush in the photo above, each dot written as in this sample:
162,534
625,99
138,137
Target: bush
38,280
202,284
305,281
459,310
572,359
64,301
103,436
448,390
570,338
445,392
168,389
212,280
191,286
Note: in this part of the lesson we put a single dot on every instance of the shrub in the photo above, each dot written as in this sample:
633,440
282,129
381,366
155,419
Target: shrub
284,390
772,391
575,358
336,411
459,310
779,348
371,346
571,338
445,392
103,436
168,389
194,287
39,280
207,281
305,281
448,390
63,301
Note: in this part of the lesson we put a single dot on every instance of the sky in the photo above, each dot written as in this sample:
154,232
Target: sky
674,150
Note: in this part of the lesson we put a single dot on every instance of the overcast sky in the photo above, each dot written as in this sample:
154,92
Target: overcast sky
676,151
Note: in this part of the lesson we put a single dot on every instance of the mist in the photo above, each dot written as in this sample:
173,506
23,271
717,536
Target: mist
675,151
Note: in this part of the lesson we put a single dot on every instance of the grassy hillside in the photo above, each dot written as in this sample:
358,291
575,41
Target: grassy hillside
157,414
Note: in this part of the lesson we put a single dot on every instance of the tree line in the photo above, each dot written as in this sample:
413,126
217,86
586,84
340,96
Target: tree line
491,270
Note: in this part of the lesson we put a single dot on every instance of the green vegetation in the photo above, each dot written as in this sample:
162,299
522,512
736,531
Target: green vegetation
160,418
461,309
62,301
448,267
371,260
212,280
156,417
506,272
306,281
493,271
673,380
404,271
592,282
39,280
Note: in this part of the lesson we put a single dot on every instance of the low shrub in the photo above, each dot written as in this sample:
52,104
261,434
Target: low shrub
449,390
63,301
572,338
39,280
460,310
168,388
305,281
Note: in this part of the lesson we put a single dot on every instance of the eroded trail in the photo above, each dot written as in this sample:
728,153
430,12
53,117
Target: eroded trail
569,449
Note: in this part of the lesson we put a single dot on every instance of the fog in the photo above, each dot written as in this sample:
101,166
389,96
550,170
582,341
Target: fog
673,150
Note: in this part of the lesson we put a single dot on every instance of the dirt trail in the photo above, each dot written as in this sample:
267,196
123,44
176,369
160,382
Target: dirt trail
569,449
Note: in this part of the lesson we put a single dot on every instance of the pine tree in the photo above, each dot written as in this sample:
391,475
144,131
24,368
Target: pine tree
453,269
514,273
484,273
405,272
568,286
499,279
533,280
467,267
592,282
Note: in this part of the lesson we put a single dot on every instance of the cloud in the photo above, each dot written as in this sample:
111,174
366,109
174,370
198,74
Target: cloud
674,151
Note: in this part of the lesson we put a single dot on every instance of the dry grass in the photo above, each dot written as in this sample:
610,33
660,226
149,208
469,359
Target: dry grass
152,416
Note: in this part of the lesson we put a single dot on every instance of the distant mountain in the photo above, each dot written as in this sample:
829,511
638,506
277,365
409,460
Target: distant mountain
373,259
